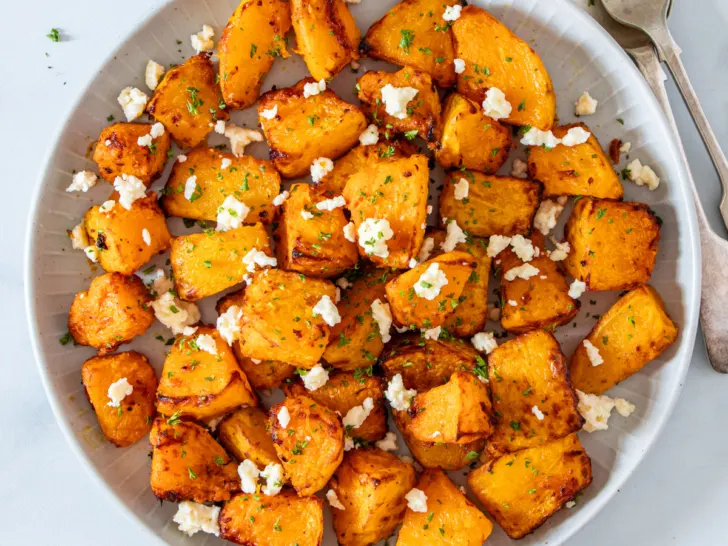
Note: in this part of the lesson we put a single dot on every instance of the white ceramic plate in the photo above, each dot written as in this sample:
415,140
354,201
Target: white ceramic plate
578,54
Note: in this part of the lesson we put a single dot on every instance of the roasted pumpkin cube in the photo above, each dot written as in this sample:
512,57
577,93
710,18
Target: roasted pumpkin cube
583,169
437,454
281,520
395,190
188,464
635,330
254,36
131,418
470,316
523,489
310,239
346,390
596,228
494,205
127,239
118,152
204,264
249,180
423,111
309,440
188,101
470,139
356,342
326,35
449,514
413,33
533,399
425,295
371,484
244,433
279,321
458,412
200,381
495,57
541,301
114,310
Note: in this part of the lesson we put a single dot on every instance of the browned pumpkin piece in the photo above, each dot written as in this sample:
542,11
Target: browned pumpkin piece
254,36
458,412
470,139
200,384
415,301
262,374
596,228
634,331
541,301
423,111
450,518
279,322
326,35
495,205
204,264
356,342
282,520
188,101
132,418
583,169
345,390
522,490
413,33
533,399
114,310
310,239
371,485
127,239
188,464
470,316
495,57
395,190
249,180
305,129
309,440
437,454
244,433
118,152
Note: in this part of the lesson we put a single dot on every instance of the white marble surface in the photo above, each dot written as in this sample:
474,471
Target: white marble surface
678,495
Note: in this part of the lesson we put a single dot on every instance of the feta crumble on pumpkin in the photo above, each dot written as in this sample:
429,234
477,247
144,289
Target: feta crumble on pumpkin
373,237
320,167
495,104
334,501
388,443
315,378
454,236
643,175
146,237
270,113
192,517
461,189
284,417
596,409
326,309
202,41
306,215
593,353
576,289
369,136
191,189
249,473
560,253
241,137
523,248
79,237
575,136
228,324
547,215
205,342
427,245
586,105
537,137
484,342
459,66
133,102
399,397
313,88
331,204
279,199
430,282
382,315
537,412
257,258
130,189
350,232
432,333
356,416
118,390
524,271
497,244
395,99
152,74
273,474
416,500
231,214
82,181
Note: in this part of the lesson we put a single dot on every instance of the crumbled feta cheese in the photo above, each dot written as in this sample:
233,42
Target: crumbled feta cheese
270,113
320,167
537,137
586,105
373,237
146,237
432,333
412,263
595,409
225,163
484,342
459,66
343,283
416,499
454,236
626,147
130,189
333,499
524,271
356,416
171,311
273,474
575,136
399,397
248,472
192,517
395,99
306,215
382,315
427,245
512,303
240,137
576,289
315,378
349,443
523,248
145,140
191,189
461,189
82,181
257,258
547,215
205,342
331,204
118,390
388,443
495,104
326,309
570,504
560,253
452,13
228,324
152,74
623,407
519,169
313,88
202,41
537,412
157,130
369,136
279,199
284,417
220,126
430,282
79,237
497,244
181,158
132,102
593,353
350,232
643,175
231,214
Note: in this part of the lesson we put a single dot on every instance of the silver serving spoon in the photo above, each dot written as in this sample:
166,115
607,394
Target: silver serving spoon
650,16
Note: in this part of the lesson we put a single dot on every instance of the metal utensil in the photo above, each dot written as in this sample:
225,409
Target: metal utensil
714,298
650,16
